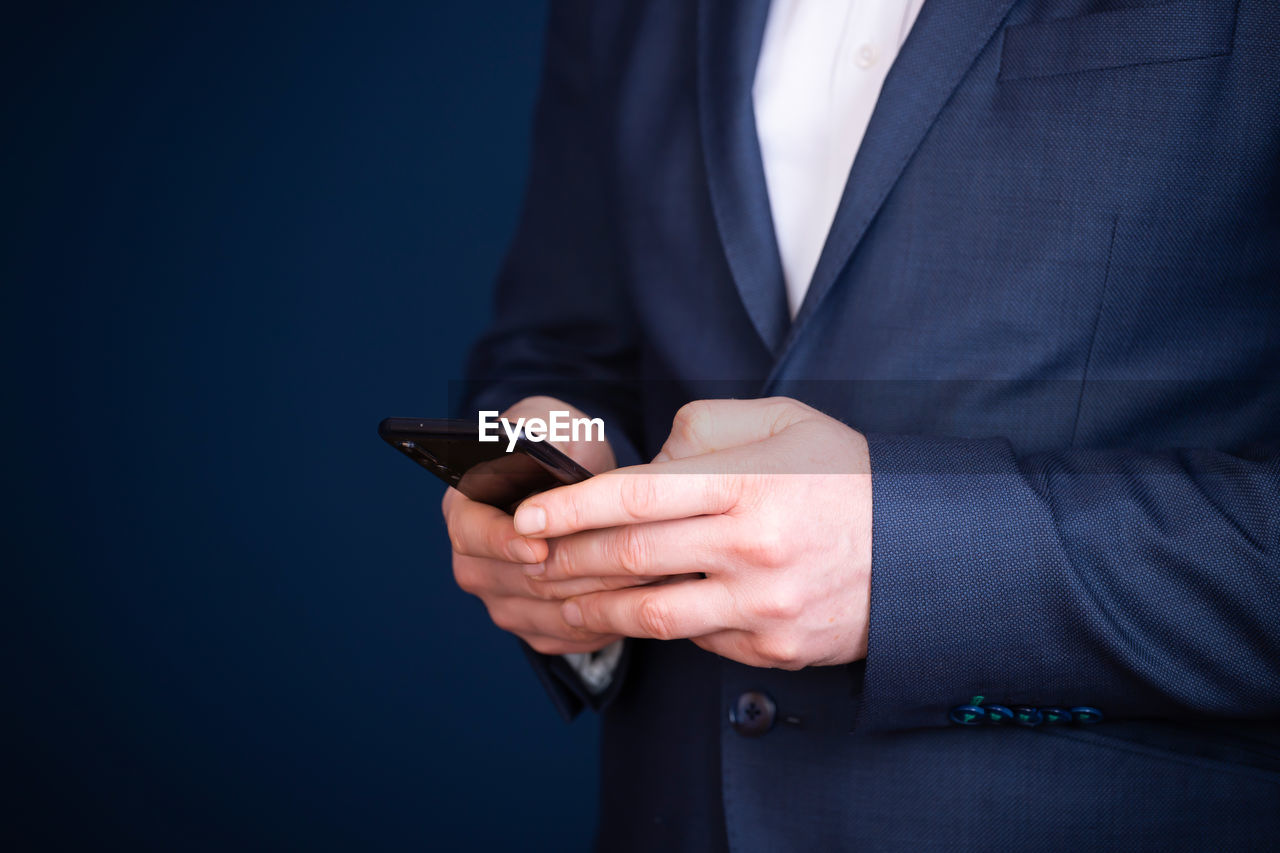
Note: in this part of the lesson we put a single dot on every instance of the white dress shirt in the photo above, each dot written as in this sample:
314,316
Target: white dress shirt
821,67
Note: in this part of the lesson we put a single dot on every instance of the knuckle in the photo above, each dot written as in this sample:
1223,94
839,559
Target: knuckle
781,651
632,550
639,495
454,517
766,548
495,539
788,408
721,490
568,509
782,603
462,538
503,615
655,618
692,420
464,574
562,560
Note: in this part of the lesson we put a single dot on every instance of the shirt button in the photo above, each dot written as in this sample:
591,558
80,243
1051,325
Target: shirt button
866,56
967,715
753,713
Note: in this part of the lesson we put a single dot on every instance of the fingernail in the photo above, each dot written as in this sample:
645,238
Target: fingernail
533,569
523,551
572,614
530,519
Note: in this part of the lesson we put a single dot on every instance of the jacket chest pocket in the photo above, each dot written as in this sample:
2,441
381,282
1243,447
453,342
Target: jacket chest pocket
1170,32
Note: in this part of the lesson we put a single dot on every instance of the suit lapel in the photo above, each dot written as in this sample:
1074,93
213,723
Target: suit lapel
729,36
943,44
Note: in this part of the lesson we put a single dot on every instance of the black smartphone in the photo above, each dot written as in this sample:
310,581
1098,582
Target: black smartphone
482,470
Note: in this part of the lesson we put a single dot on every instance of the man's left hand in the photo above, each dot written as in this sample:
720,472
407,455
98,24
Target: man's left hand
769,499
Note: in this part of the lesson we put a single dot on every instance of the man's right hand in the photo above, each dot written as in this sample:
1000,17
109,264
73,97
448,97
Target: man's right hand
489,557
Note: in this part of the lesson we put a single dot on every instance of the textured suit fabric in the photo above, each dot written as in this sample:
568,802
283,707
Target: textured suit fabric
1051,298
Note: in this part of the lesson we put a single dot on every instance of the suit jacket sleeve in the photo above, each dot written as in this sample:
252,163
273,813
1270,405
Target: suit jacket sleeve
559,325
1142,584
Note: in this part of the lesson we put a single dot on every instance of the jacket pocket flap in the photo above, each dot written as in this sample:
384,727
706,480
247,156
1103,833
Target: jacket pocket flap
1191,29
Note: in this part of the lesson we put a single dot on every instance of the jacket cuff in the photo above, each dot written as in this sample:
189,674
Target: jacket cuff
954,597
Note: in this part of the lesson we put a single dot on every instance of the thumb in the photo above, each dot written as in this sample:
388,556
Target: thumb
706,426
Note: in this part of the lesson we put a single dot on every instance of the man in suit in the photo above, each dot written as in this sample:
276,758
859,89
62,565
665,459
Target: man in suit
966,531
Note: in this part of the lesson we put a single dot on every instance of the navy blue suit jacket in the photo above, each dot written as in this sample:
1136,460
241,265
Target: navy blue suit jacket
1051,298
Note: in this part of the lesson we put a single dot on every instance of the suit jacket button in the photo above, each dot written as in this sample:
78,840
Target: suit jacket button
997,714
753,713
1085,715
1025,715
967,715
1056,716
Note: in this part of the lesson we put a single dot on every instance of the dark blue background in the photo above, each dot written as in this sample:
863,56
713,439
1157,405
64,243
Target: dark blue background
235,238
